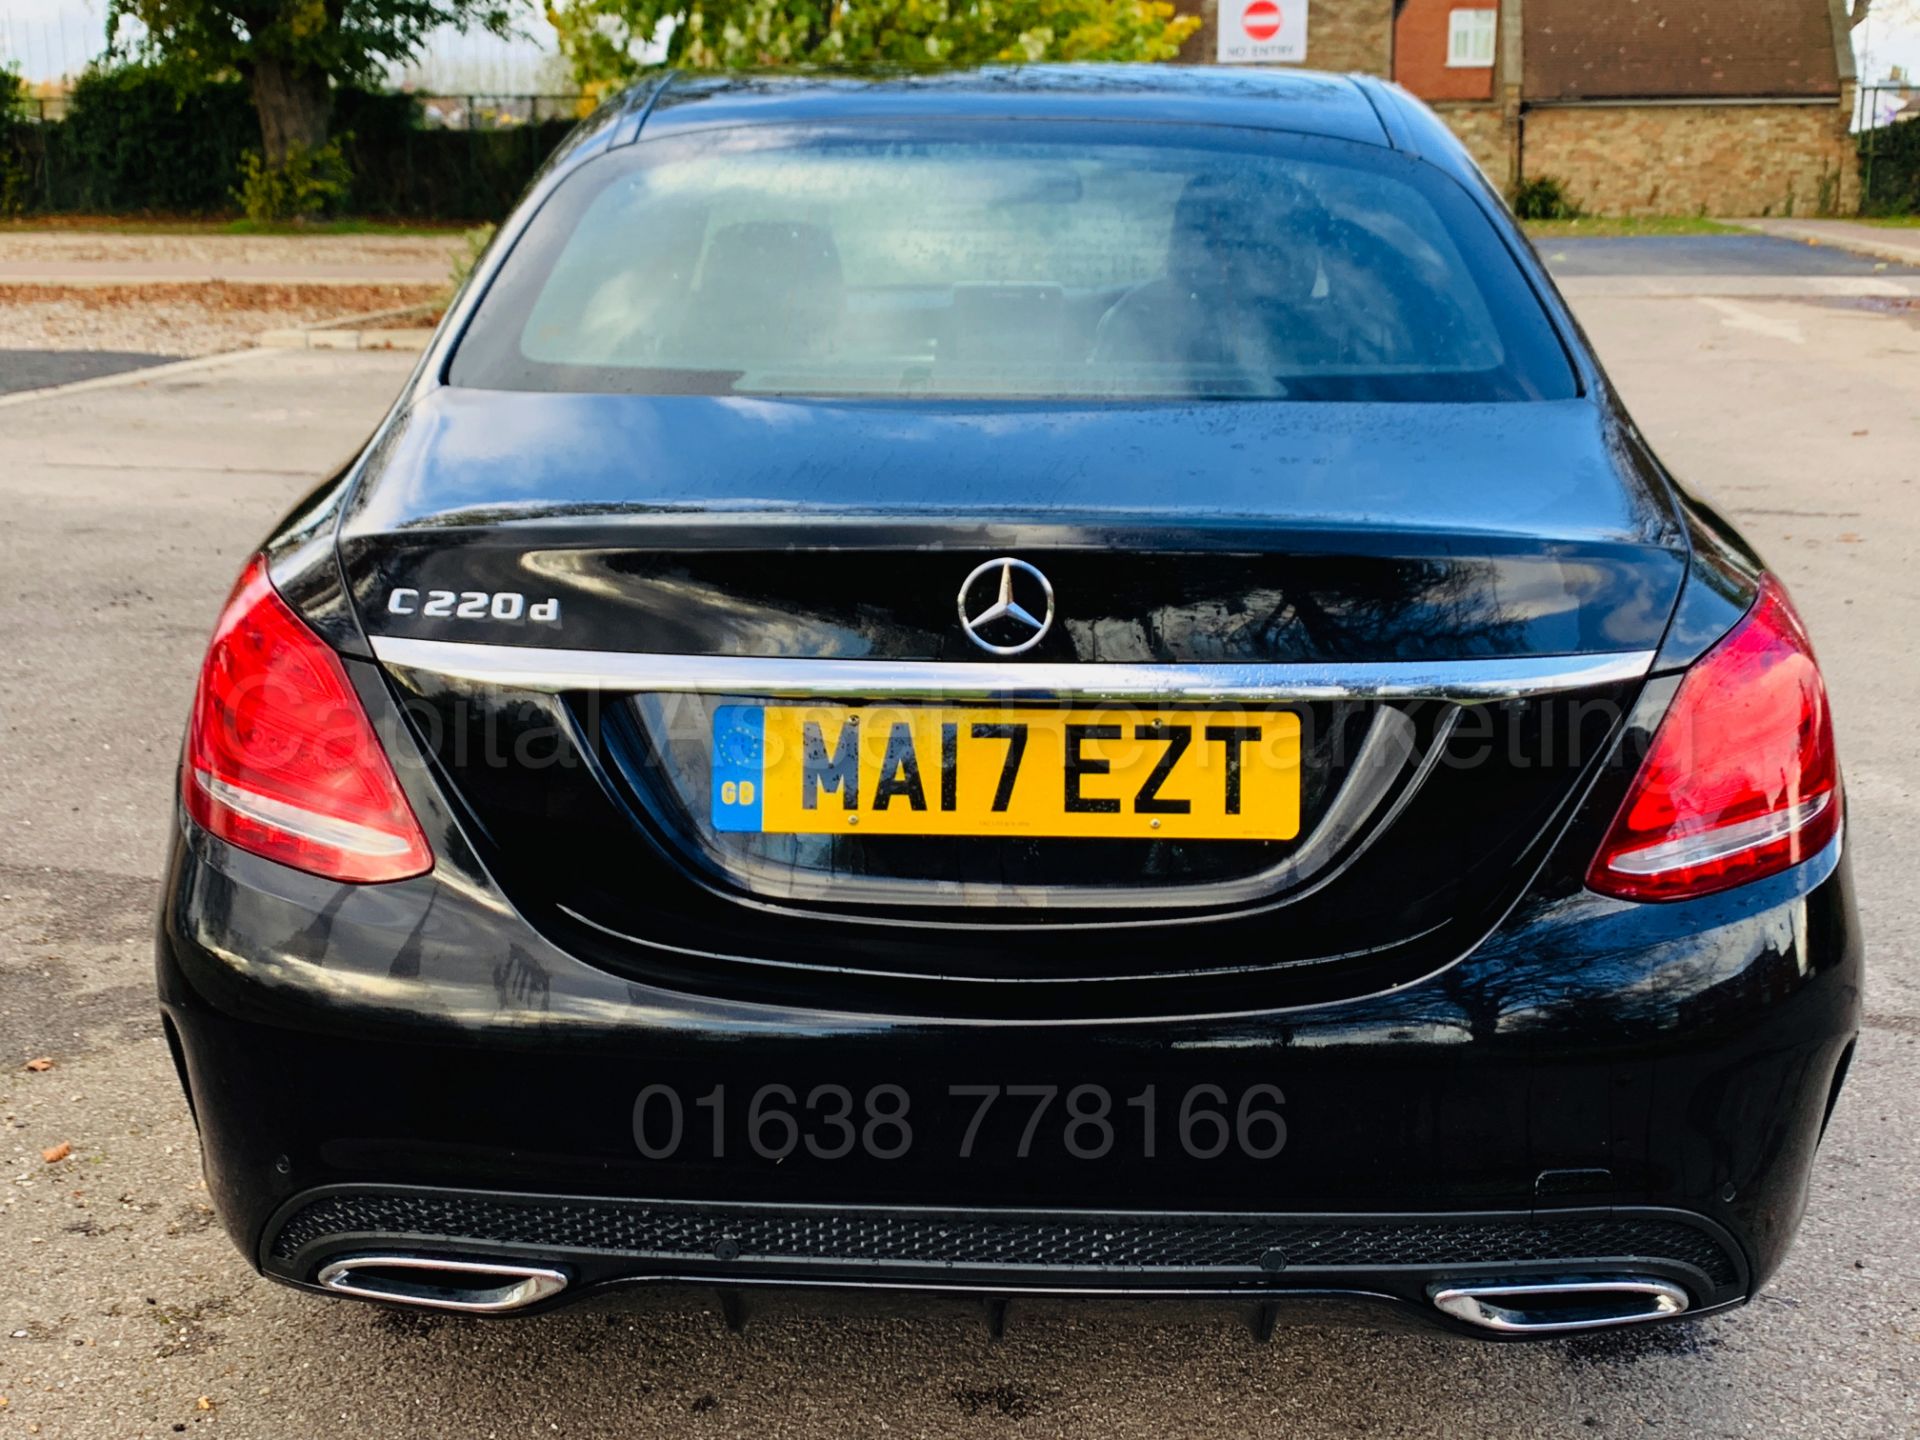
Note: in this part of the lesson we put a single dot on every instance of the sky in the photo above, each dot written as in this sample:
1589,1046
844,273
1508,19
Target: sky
1885,40
49,37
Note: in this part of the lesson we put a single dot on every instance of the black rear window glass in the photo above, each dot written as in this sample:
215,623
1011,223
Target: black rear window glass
1036,260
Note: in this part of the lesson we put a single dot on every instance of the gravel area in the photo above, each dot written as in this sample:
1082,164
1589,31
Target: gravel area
245,251
180,319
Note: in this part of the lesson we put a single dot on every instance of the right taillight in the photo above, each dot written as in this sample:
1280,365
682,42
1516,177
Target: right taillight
1741,780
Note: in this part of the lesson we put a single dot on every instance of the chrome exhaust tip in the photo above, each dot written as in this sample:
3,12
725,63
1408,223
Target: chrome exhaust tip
1563,1303
470,1287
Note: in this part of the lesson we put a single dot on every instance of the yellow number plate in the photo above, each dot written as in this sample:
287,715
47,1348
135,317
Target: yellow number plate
936,770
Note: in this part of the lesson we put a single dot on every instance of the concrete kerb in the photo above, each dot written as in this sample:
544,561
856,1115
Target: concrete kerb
1895,247
356,332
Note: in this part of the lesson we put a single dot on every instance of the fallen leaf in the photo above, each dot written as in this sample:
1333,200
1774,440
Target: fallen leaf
40,1063
205,1402
53,1154
1849,538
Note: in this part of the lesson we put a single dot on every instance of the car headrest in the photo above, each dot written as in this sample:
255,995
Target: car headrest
1262,244
771,255
769,291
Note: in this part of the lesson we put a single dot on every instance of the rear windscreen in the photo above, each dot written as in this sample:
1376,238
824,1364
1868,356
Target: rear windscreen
1027,260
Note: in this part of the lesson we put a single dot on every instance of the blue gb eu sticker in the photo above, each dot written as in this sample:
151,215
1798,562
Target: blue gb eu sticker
739,747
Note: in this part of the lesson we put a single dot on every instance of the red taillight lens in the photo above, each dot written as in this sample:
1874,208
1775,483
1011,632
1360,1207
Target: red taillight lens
1741,781
281,758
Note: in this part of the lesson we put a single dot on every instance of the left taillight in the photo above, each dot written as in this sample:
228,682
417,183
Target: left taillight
281,758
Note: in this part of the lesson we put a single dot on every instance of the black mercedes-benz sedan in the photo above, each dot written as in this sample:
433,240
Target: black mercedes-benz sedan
1061,680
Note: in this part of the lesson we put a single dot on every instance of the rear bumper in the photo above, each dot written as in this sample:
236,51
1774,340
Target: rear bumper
1598,1089
599,1246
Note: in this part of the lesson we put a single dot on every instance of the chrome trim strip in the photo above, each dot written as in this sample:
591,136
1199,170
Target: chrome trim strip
782,677
1612,1300
471,1287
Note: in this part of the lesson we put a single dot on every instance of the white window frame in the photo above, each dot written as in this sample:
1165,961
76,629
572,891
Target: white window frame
1471,38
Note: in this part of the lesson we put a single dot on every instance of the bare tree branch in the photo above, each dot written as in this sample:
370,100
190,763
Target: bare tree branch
1858,13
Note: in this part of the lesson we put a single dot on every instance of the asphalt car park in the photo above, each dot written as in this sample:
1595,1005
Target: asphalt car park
1708,255
41,369
1792,404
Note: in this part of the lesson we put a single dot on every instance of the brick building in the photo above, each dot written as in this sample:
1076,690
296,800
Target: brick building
1731,107
1341,34
1447,50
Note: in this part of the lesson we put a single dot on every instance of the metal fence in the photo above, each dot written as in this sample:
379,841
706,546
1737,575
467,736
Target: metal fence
441,157
64,43
437,112
44,111
498,112
1878,106
69,37
1887,120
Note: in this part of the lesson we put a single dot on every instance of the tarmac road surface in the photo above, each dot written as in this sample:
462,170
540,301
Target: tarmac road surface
124,1311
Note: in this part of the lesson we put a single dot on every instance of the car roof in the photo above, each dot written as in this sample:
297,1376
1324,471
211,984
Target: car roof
1301,101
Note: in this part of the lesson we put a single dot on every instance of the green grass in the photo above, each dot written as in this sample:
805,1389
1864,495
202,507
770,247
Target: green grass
150,225
1893,222
340,227
1612,227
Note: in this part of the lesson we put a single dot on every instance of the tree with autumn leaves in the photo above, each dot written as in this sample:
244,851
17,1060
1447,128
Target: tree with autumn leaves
293,53
609,41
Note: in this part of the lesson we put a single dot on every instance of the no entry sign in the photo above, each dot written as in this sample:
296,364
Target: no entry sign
1261,20
1262,32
